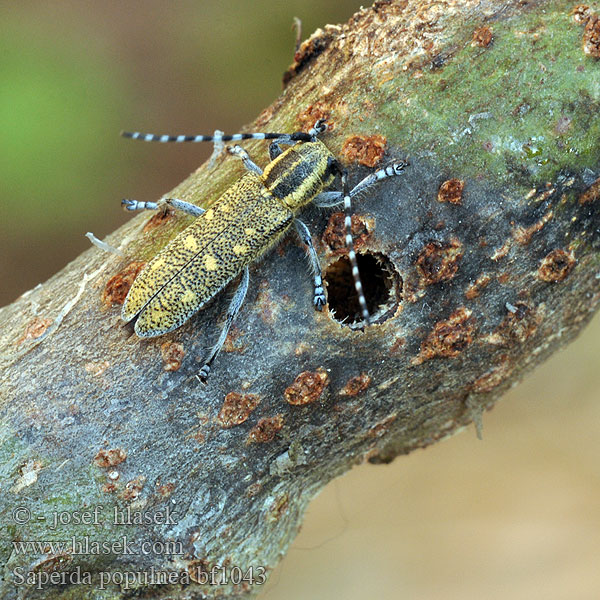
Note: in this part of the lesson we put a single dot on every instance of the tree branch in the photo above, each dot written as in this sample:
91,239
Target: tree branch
482,260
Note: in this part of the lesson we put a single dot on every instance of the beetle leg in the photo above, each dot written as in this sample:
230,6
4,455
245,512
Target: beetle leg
333,199
239,151
275,149
232,311
182,205
390,171
329,199
319,297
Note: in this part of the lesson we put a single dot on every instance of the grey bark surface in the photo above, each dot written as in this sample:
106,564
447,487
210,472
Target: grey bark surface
488,255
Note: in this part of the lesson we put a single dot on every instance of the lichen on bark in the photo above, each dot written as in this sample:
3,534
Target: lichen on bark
480,261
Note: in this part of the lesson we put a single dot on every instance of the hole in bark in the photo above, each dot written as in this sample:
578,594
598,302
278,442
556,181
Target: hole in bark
381,284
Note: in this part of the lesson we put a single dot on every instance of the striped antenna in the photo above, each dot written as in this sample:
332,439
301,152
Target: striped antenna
299,136
351,252
219,136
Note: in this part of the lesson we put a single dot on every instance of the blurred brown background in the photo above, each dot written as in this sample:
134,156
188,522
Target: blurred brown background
516,515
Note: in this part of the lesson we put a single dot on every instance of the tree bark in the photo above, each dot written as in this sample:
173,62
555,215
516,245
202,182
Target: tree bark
479,262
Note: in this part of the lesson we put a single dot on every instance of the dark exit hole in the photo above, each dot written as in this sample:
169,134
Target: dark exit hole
381,284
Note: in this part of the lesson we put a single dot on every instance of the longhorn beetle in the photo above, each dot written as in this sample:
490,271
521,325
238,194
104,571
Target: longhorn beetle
245,222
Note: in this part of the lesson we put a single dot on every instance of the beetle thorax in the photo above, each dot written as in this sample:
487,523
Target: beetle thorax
299,173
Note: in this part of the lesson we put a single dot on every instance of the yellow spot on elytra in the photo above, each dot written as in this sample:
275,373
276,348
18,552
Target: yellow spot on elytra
190,243
240,249
210,263
225,207
250,231
157,264
209,214
188,297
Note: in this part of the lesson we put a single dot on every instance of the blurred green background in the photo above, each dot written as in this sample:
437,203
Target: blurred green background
73,74
516,515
